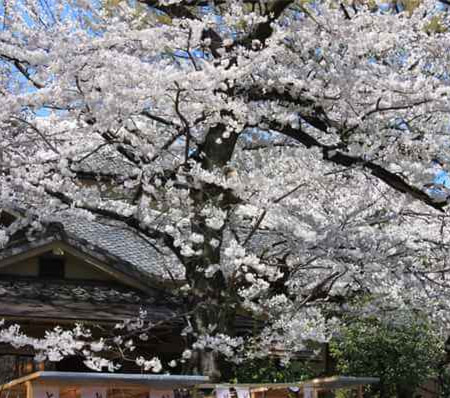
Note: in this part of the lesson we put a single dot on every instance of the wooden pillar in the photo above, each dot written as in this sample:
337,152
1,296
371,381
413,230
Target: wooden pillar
310,391
29,388
360,391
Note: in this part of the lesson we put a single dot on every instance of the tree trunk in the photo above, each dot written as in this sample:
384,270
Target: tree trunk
384,391
212,318
404,391
205,363
212,301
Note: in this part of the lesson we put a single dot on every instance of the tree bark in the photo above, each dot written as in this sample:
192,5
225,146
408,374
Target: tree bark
404,391
213,302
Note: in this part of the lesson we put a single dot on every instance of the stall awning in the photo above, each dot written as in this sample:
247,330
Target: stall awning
331,383
150,380
337,382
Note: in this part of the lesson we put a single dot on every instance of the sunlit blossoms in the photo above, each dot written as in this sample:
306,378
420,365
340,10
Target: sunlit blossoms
276,152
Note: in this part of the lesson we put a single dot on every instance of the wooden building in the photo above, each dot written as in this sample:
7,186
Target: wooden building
89,271
96,273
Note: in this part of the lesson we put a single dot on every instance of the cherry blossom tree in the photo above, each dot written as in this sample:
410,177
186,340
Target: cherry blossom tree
277,149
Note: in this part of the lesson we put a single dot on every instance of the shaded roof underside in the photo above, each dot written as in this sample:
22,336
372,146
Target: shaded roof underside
76,300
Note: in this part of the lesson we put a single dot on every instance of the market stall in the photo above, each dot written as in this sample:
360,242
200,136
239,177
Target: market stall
47,384
316,388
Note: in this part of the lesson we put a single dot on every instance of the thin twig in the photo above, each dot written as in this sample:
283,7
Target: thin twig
187,130
34,128
263,214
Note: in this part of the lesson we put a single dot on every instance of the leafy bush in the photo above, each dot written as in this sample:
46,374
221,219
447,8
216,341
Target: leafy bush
402,354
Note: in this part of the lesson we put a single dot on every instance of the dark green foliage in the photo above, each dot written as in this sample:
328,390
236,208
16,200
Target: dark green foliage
403,354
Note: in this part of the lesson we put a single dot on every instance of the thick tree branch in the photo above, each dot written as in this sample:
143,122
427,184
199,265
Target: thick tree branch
182,9
318,119
130,221
332,154
261,32
19,65
179,10
264,29
309,111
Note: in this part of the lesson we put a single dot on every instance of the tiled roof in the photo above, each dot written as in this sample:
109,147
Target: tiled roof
108,162
79,300
112,238
125,244
150,257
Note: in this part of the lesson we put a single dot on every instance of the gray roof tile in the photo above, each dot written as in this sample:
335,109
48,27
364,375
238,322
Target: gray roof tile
125,244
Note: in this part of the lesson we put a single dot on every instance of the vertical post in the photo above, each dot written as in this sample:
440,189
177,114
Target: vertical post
29,388
310,391
360,391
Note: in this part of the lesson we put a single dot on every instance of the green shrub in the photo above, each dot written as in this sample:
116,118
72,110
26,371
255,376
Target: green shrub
402,354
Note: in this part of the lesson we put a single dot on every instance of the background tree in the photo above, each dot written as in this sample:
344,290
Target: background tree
403,354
